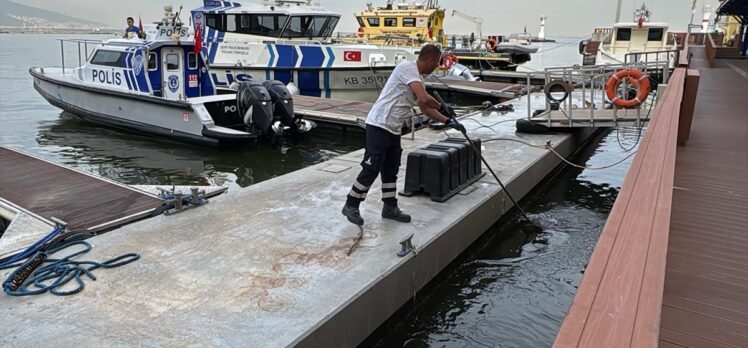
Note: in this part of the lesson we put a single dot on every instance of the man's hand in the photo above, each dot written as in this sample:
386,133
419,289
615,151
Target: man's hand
452,123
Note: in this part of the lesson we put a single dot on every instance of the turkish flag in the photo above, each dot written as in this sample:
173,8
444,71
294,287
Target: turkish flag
351,56
198,39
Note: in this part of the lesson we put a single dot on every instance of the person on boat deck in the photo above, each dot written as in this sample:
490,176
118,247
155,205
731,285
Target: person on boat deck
403,90
131,28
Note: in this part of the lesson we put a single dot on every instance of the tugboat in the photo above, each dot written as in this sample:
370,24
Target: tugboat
403,24
160,86
630,42
290,41
414,24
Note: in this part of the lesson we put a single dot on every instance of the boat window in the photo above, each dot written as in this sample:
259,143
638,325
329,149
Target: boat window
172,62
409,22
655,34
390,22
192,60
317,26
108,58
331,26
264,25
296,26
623,34
310,26
152,62
373,21
360,21
231,23
216,21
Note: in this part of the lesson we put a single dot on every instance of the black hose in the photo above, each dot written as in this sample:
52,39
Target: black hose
477,151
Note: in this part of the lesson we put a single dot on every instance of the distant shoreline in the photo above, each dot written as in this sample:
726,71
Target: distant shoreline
13,30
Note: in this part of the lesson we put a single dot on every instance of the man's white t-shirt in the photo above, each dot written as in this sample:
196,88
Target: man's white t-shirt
397,100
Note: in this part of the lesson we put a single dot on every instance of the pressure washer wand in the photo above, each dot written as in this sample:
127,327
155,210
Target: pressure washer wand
477,151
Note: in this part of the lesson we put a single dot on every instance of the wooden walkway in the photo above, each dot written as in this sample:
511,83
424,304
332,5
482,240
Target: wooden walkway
83,201
705,302
671,266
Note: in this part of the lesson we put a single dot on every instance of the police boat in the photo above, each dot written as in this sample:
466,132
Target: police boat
160,86
290,41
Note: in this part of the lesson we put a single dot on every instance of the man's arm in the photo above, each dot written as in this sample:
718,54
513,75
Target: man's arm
428,105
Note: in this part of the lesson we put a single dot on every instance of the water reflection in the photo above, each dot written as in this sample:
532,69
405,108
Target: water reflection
135,159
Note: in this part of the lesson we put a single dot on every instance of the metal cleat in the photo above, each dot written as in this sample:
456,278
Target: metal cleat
406,246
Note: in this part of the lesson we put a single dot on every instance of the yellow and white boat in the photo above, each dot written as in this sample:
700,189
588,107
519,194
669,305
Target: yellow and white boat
403,24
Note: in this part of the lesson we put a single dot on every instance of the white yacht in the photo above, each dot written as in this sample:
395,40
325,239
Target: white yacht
289,41
630,42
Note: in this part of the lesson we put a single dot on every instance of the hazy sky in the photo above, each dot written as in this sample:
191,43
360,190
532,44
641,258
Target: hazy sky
565,17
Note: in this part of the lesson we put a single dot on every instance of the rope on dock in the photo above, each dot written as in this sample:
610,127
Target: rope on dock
32,277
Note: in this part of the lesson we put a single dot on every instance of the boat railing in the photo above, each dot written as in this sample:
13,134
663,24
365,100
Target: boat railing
671,55
588,86
80,43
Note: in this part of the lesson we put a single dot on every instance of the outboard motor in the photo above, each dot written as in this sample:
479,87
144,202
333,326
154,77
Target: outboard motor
282,103
460,70
255,106
284,117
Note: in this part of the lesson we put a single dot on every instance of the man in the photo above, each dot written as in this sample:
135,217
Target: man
403,90
131,28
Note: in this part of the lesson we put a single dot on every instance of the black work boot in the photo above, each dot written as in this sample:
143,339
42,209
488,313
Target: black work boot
394,213
353,215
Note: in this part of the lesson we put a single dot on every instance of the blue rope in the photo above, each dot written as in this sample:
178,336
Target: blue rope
33,248
27,279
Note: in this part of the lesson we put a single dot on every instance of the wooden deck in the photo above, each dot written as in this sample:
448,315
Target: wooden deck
705,302
83,201
337,111
671,265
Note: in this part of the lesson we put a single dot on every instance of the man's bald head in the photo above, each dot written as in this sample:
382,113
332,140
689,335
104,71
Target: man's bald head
428,59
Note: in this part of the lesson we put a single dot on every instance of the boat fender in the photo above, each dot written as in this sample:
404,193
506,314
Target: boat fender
526,126
642,86
448,60
491,45
293,89
255,105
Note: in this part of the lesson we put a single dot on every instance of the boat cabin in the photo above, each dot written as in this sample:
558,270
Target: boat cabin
282,19
161,67
637,37
413,23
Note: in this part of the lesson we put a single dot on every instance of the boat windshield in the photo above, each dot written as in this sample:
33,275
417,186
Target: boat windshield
310,26
273,25
252,24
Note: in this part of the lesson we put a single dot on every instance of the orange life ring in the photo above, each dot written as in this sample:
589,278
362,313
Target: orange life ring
449,60
491,45
360,32
637,80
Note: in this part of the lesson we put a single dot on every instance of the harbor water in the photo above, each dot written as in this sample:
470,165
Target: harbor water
510,289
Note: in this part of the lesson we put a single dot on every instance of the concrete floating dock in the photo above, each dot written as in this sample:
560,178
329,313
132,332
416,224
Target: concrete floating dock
496,91
266,266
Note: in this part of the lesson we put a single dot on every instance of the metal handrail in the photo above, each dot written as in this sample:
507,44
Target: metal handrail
591,80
